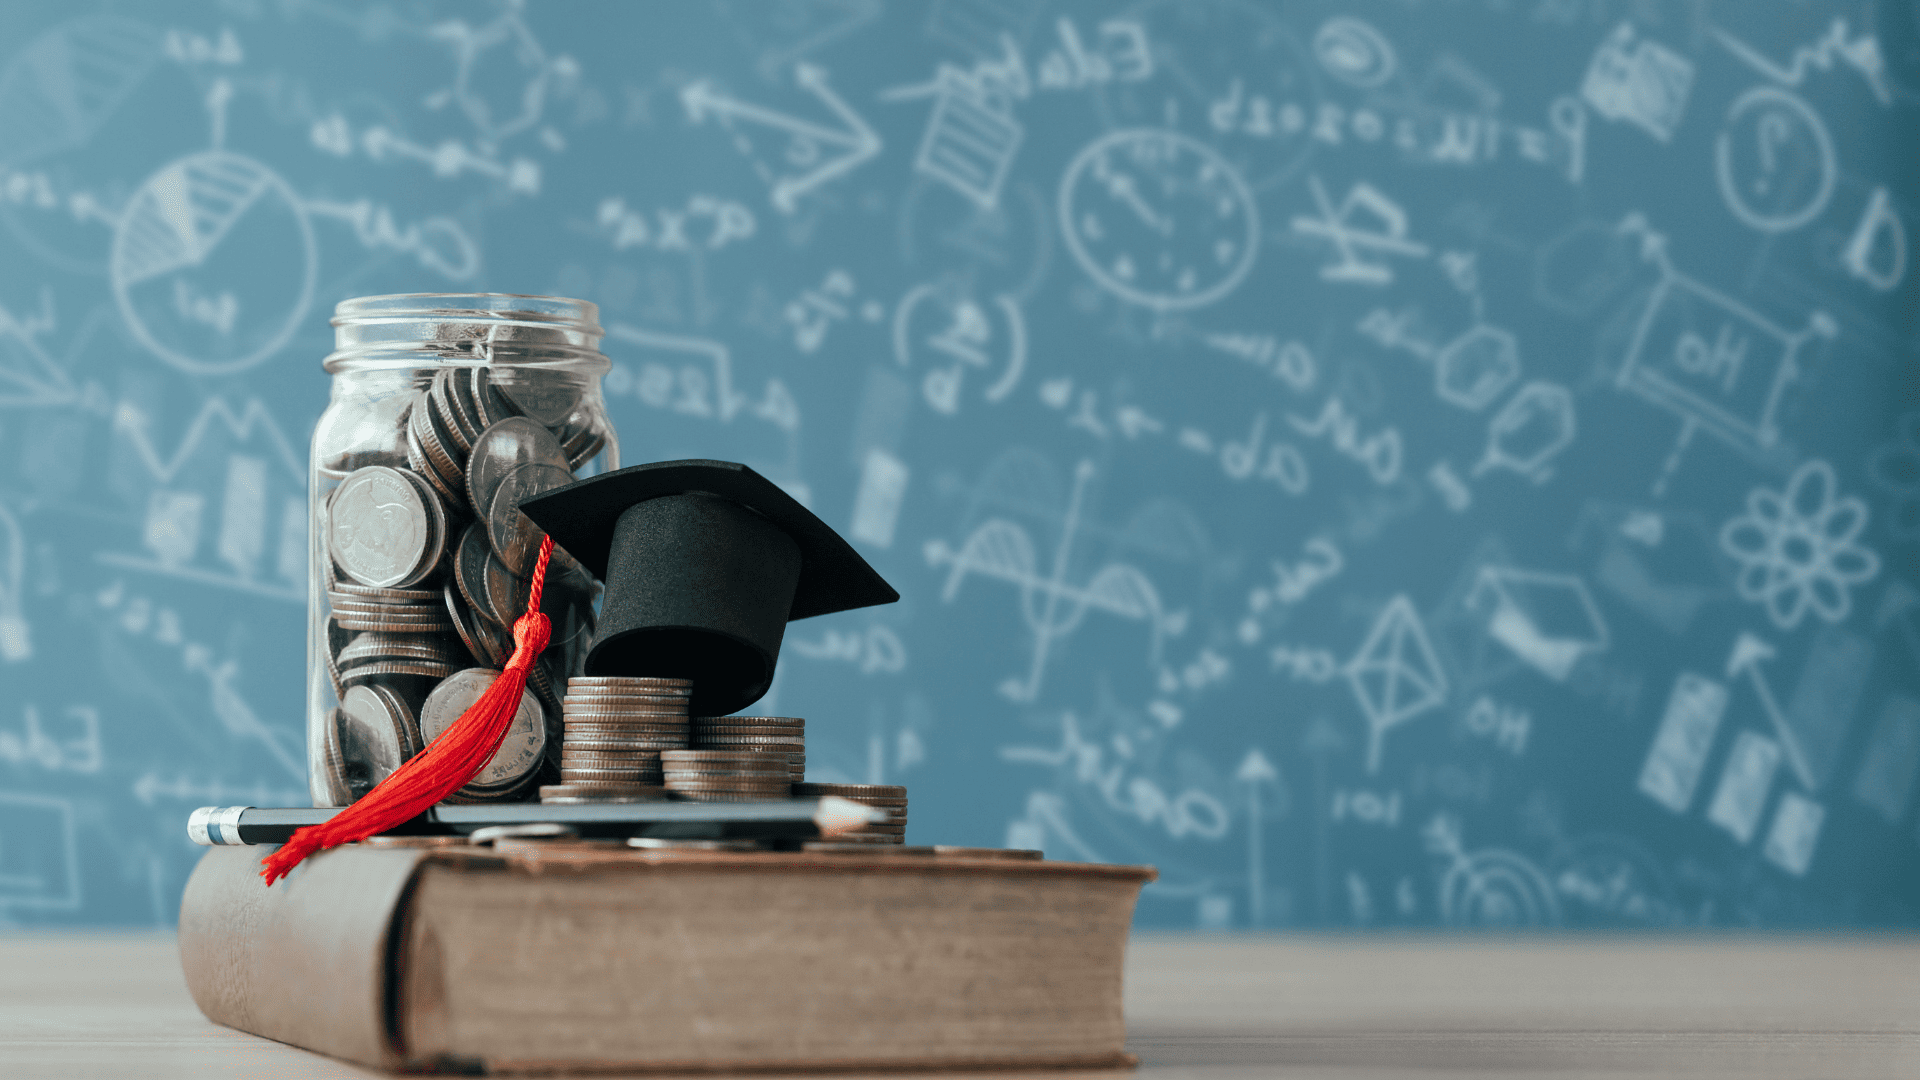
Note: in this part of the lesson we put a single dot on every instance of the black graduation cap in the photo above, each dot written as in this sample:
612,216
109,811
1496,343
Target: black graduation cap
705,562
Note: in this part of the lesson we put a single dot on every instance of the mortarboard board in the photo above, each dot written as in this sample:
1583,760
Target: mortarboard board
705,562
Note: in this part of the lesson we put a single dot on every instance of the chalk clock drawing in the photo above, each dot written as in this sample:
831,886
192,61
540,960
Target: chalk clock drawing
1159,219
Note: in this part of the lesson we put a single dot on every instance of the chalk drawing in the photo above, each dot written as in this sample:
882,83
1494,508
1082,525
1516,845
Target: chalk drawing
1798,547
16,635
1365,223
213,263
1530,431
1877,251
1641,82
814,154
1744,783
1711,360
703,222
1354,52
876,507
1506,725
1474,369
1394,675
1489,887
1051,607
1774,160
701,388
941,326
1159,219
1549,620
1680,747
1885,780
1861,53
1191,813
1795,832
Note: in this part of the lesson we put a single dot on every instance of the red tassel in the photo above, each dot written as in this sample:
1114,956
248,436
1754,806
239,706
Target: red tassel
446,765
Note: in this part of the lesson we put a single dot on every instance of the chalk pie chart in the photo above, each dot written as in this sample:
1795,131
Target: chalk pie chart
213,263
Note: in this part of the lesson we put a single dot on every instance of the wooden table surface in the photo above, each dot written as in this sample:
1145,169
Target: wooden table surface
1208,1008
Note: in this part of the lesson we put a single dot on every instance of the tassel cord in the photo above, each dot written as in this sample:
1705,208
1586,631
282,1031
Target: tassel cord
448,763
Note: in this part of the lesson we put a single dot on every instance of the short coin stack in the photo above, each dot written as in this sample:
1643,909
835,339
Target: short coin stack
616,729
889,797
761,734
727,775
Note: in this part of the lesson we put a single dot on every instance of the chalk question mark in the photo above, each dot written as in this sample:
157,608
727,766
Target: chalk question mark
1776,130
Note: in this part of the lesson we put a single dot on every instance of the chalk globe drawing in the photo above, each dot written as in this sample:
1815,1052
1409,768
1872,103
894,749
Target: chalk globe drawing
213,263
1796,548
1159,219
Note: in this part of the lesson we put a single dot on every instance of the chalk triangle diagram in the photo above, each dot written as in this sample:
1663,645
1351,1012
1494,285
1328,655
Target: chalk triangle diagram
1548,620
1395,675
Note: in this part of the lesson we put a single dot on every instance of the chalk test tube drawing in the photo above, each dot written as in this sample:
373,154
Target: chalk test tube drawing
940,323
813,154
16,638
1798,548
1051,607
1548,620
213,263
1641,82
1489,887
702,388
1365,223
39,854
57,91
1861,53
1712,361
1354,52
263,489
1395,675
1159,218
1769,145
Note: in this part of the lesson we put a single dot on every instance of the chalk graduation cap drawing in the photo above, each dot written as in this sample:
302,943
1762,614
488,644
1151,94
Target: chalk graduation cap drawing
705,562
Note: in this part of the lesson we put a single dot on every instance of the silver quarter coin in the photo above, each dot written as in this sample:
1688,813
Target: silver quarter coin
520,752
379,529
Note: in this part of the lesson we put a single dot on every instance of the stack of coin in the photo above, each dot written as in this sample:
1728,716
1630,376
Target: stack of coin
726,775
889,797
764,734
615,729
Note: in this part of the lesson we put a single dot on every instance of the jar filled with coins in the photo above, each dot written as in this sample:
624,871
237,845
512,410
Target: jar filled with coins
446,412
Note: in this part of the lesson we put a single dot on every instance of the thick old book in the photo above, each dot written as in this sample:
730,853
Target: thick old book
556,956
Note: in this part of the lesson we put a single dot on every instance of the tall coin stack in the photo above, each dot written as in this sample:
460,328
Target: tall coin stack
615,730
762,734
727,775
889,797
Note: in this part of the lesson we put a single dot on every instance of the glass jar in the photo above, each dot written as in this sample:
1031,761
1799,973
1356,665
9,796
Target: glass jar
446,411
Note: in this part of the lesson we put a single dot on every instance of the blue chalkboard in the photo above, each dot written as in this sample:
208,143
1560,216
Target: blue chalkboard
1383,463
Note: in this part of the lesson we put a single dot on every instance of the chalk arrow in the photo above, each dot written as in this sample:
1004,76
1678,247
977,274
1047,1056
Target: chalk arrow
1749,652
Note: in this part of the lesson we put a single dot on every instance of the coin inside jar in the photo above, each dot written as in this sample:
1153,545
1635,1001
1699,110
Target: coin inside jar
380,528
526,739
504,447
373,736
515,538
